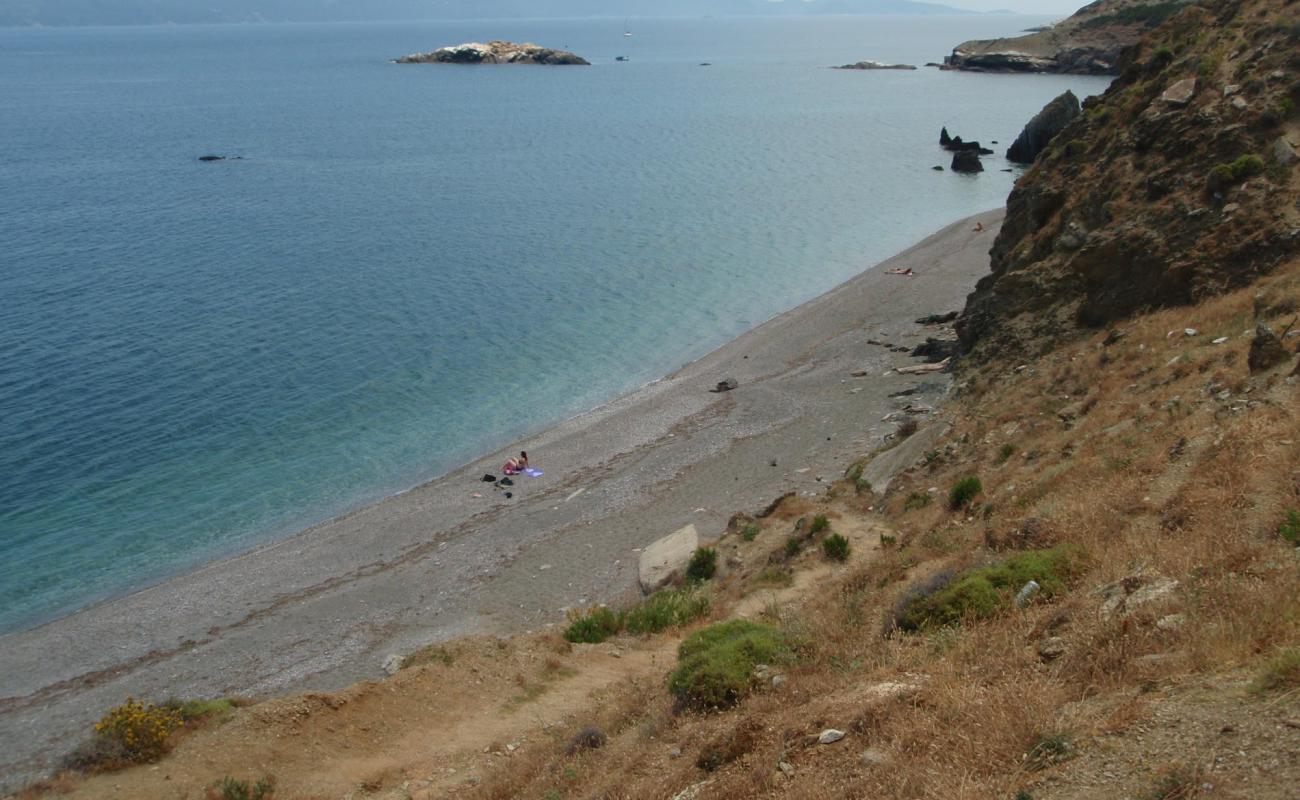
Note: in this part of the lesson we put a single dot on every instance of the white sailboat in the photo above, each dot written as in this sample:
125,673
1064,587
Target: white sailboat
627,30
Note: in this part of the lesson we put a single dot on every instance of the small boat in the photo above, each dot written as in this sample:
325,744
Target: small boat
627,31
621,58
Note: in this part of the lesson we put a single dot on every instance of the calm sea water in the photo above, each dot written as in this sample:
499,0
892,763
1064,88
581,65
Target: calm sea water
412,264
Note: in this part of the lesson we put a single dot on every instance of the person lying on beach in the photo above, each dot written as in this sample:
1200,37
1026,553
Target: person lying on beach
979,227
516,464
908,272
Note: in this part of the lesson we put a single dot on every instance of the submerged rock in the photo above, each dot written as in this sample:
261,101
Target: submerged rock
1043,128
495,52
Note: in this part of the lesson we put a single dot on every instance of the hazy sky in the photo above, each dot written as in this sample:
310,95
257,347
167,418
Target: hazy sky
1061,7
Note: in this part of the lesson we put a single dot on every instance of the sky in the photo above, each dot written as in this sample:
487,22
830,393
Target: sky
1061,7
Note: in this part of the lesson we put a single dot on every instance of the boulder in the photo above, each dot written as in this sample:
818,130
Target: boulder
1124,597
944,138
725,385
966,161
1045,125
936,350
830,736
1181,93
495,52
667,556
1266,350
938,319
1283,154
393,664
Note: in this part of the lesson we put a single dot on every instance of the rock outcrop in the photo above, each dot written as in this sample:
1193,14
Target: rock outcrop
1044,127
495,52
874,65
1144,202
966,161
1090,42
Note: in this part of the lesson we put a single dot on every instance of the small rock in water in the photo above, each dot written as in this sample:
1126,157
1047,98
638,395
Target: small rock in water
830,736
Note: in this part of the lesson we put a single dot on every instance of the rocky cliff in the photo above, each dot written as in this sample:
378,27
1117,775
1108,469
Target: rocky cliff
1178,183
1089,42
495,52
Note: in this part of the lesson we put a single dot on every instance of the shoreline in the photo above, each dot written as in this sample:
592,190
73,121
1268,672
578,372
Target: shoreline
323,607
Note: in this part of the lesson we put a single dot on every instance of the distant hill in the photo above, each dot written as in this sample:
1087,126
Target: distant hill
156,12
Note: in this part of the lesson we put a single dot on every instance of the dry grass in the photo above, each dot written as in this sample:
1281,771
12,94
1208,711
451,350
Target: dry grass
1127,450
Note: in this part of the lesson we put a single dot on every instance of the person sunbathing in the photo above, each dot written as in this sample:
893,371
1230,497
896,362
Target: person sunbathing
908,271
516,464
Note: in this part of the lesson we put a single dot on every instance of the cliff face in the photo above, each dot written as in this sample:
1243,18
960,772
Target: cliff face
1180,182
1089,42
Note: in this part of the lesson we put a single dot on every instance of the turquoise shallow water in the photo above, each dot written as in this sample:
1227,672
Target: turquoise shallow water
413,264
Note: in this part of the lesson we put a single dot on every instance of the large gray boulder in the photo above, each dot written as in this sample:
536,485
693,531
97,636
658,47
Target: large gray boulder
1043,128
667,556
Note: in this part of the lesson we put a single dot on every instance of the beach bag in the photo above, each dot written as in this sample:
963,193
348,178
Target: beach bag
488,478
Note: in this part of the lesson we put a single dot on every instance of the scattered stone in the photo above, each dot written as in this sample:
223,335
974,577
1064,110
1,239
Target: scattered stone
1181,93
676,752
725,385
1231,89
778,681
859,373
1027,593
1171,622
393,664
936,350
1045,125
1124,597
1283,153
922,369
1190,331
830,736
1220,340
1239,103
691,792
1051,648
787,769
1266,350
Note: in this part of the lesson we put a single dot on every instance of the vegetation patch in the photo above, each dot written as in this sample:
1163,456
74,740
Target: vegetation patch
819,524
984,592
234,789
201,710
1147,16
836,547
917,500
595,626
1223,176
750,532
666,608
703,566
1289,530
134,733
1282,673
715,666
963,491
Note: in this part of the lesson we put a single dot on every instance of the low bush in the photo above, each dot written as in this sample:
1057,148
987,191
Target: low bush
703,566
792,547
836,547
1049,750
138,731
986,591
1281,673
234,789
917,500
594,627
963,491
1289,530
750,532
1223,176
819,524
666,609
200,710
715,666
1005,452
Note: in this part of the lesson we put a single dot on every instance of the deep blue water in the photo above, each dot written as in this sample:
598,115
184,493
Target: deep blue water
412,264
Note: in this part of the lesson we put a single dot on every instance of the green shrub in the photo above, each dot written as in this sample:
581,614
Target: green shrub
983,592
792,546
819,524
917,500
963,491
888,541
1282,673
704,564
715,666
750,532
1247,167
667,608
594,627
1006,451
232,789
1289,530
1048,750
836,547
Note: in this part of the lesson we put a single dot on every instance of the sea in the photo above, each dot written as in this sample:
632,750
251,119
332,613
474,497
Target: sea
399,268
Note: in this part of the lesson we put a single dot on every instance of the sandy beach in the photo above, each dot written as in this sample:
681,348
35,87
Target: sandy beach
323,608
